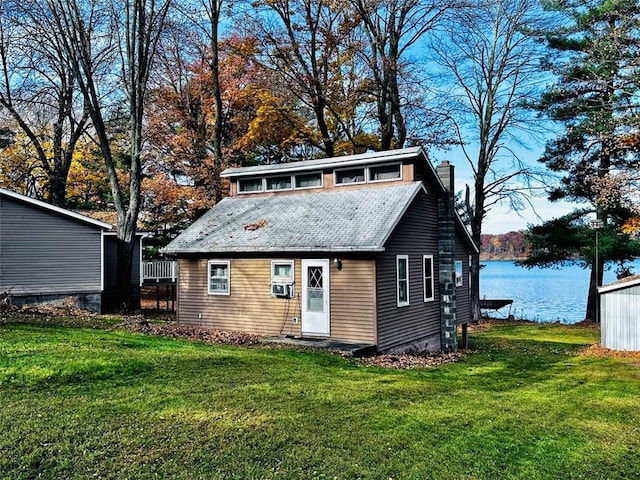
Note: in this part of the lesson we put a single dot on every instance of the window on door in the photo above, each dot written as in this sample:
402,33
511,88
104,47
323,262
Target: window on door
402,279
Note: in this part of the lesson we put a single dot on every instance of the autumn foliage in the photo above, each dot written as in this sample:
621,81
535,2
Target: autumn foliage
505,246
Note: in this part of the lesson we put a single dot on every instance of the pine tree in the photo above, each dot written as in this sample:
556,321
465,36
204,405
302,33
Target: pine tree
594,55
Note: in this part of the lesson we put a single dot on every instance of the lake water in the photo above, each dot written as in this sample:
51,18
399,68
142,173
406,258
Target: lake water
540,294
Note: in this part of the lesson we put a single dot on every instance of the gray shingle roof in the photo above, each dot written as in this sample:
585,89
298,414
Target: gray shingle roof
332,220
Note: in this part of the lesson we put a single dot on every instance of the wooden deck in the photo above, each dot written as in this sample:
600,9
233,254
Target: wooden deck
162,272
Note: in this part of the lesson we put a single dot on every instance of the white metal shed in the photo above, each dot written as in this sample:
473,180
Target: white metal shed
620,314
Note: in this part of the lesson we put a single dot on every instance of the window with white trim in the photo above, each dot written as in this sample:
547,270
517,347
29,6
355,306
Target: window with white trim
385,173
219,277
402,279
279,183
349,176
250,185
308,180
282,271
427,276
458,273
282,274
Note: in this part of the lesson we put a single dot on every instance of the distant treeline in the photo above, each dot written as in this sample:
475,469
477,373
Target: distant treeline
504,246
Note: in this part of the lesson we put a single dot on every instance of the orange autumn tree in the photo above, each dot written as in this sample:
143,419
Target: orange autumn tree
275,131
183,115
168,207
619,191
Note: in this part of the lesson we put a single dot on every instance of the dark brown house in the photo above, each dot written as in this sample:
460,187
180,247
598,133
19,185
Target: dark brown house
364,249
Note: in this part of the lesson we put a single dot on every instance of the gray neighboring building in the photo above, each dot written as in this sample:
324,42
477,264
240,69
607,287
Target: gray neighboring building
49,254
620,314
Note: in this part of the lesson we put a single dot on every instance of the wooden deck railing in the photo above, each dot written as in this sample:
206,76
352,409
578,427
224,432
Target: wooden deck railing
159,270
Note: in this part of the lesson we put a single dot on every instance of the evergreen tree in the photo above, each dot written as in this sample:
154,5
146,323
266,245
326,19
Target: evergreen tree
594,55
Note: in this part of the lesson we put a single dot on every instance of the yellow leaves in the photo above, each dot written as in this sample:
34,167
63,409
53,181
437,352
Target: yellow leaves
632,227
87,182
363,141
274,123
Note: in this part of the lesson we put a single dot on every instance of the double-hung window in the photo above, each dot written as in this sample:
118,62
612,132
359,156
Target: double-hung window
402,279
219,277
282,271
427,268
282,278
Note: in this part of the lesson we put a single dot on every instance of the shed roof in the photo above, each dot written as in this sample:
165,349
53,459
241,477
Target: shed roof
320,163
54,209
627,282
328,221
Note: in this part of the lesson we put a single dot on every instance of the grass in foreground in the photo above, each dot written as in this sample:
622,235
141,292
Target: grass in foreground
91,403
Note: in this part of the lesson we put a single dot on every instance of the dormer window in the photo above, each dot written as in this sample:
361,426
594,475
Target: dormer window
278,183
381,173
285,179
350,176
250,185
308,180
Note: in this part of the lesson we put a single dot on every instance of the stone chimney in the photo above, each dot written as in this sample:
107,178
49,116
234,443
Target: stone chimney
447,257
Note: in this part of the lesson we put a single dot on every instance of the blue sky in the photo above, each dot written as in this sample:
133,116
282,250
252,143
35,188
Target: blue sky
501,219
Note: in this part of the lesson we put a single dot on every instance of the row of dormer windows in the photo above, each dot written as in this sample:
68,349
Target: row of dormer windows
344,176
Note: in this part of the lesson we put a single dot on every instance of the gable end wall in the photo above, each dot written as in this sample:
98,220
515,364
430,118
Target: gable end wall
419,323
416,235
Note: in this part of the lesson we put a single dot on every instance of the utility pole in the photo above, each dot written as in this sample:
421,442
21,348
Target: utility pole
597,224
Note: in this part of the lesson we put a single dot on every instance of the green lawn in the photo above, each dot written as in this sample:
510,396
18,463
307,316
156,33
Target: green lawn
99,403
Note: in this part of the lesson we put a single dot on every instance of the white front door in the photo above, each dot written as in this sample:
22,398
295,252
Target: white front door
315,297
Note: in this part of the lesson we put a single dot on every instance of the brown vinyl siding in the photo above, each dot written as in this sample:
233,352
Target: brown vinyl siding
42,252
416,235
353,301
251,308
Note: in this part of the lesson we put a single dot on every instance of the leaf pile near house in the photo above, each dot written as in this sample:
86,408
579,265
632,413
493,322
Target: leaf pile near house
363,249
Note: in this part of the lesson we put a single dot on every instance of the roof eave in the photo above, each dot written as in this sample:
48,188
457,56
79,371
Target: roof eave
346,161
53,208
365,249
618,286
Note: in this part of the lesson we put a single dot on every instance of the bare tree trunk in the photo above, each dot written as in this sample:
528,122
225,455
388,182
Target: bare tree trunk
391,28
214,14
135,28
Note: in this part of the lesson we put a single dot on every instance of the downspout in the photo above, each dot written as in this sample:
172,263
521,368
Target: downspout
447,258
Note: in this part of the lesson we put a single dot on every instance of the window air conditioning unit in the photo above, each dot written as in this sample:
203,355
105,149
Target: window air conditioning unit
282,290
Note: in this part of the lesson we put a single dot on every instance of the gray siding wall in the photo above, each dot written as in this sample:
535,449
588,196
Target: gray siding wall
110,261
620,316
463,293
45,253
416,235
